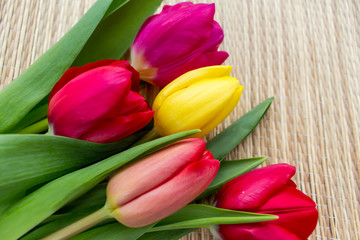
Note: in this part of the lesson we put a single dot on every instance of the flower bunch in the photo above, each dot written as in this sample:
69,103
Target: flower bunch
98,137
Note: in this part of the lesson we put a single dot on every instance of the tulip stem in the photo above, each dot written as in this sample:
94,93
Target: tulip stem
38,127
151,135
81,225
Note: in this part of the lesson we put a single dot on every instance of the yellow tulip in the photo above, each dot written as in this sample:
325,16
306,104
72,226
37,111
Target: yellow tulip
199,99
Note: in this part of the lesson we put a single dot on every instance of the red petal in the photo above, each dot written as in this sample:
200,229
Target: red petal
153,170
251,190
115,129
132,103
170,196
207,155
73,72
296,211
255,231
85,100
135,80
291,183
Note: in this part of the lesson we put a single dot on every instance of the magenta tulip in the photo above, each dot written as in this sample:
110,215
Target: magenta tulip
98,102
181,38
162,183
268,190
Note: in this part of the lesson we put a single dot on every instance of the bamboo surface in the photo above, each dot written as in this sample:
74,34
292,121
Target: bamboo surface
306,53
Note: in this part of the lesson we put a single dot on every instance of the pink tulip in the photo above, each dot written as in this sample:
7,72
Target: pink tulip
98,102
181,38
162,183
268,190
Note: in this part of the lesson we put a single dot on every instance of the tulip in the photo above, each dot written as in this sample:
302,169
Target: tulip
98,102
153,187
268,190
199,99
181,38
162,183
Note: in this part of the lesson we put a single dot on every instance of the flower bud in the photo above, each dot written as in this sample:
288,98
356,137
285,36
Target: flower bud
268,190
181,38
199,99
95,103
162,183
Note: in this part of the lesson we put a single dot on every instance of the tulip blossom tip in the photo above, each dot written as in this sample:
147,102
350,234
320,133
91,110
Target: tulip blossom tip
268,190
181,38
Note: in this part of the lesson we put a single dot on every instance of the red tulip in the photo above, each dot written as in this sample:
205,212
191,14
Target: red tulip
162,183
268,190
98,102
181,38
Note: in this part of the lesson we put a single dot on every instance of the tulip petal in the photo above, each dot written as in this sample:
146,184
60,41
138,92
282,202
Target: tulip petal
222,114
168,8
255,231
251,190
202,99
132,103
153,170
205,55
291,183
114,129
73,72
160,202
81,103
296,211
135,80
181,32
189,78
167,73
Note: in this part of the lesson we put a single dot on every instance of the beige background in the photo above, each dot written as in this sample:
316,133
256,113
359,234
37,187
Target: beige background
305,53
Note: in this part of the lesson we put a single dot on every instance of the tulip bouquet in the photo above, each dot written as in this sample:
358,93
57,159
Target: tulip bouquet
85,156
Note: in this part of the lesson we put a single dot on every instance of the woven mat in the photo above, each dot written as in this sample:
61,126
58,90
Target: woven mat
305,53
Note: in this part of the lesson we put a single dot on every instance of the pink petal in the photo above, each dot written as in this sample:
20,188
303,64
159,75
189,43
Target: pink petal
168,8
170,196
255,231
153,170
251,190
168,73
172,34
78,105
205,55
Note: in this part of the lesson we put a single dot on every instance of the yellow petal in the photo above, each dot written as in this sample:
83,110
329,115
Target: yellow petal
228,108
189,78
194,106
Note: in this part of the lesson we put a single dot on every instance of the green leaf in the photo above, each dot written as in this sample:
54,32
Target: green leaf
29,160
115,33
113,231
203,216
38,113
33,85
168,235
94,199
229,170
34,208
181,223
57,224
115,5
228,139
